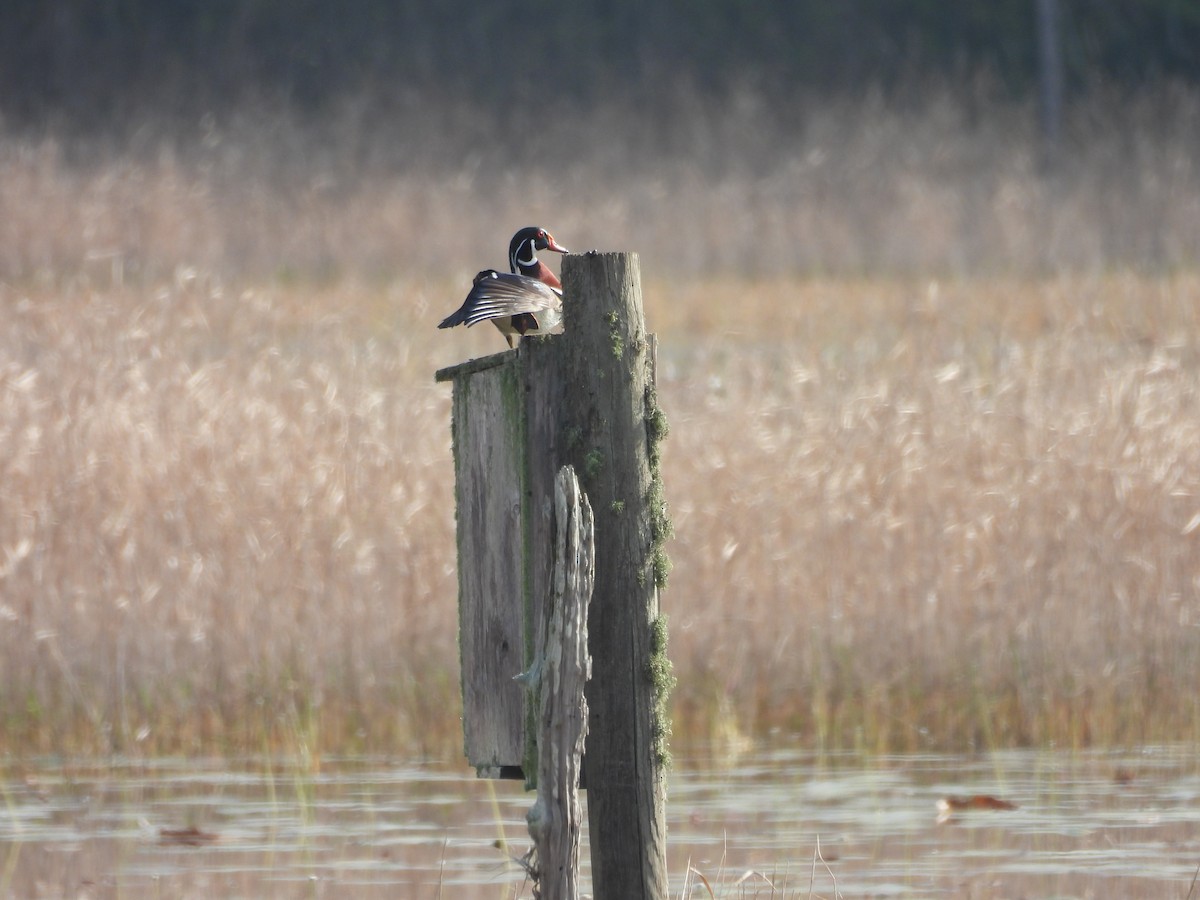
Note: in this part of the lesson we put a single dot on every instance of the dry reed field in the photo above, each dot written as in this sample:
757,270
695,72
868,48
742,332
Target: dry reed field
935,453
968,519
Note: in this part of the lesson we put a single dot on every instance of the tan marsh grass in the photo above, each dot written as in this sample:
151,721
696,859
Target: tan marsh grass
963,515
934,456
950,184
227,520
942,516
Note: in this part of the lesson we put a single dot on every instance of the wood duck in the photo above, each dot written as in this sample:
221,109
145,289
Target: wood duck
526,301
522,255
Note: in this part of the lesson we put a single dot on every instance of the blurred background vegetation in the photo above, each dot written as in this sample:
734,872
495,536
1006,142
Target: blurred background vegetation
88,61
789,136
924,275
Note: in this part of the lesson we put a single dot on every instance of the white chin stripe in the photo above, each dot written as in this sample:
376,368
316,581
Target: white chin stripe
532,261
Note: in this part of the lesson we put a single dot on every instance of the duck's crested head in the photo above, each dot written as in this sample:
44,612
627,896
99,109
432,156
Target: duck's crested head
523,248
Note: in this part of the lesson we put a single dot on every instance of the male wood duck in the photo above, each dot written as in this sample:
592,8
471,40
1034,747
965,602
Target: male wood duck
526,301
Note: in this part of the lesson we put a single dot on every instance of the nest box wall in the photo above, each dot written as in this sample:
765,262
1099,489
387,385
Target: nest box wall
495,636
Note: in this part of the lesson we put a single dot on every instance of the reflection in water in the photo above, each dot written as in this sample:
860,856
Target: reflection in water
1105,825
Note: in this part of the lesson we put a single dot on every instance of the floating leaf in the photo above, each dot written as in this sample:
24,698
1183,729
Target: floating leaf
948,807
186,837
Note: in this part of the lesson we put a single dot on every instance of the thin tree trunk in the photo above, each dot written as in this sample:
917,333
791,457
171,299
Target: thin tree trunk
1050,77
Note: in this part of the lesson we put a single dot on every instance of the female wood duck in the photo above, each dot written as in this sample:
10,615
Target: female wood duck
526,301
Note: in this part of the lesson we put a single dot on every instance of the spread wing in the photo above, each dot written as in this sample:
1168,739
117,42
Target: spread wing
496,295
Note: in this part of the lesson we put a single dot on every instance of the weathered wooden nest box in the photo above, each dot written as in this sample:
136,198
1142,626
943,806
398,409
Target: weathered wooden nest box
498,524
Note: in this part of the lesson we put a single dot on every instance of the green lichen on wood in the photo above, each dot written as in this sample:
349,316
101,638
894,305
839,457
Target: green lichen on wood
572,438
662,679
661,527
657,427
593,463
617,341
661,564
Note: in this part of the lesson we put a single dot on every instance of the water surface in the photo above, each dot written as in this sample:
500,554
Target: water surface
770,823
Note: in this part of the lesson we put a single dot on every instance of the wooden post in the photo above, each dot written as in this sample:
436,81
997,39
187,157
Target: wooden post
563,667
608,430
585,398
